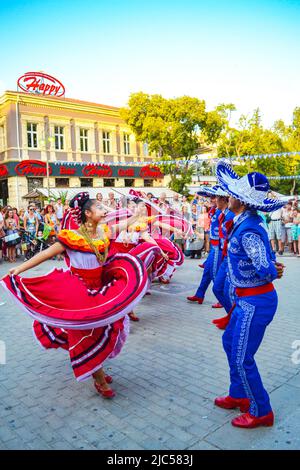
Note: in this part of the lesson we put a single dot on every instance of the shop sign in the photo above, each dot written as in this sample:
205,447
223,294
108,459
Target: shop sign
32,168
67,171
99,171
126,172
41,83
3,171
150,172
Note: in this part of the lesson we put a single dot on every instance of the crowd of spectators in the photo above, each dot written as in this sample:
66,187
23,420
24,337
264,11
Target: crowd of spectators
19,228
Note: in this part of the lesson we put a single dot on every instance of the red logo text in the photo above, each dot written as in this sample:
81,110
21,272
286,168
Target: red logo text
33,168
3,171
101,171
41,83
150,172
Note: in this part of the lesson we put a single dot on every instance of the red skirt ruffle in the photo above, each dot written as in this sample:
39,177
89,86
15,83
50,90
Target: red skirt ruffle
88,349
148,253
175,255
61,299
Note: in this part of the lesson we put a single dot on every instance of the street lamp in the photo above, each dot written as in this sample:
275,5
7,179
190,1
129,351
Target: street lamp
48,139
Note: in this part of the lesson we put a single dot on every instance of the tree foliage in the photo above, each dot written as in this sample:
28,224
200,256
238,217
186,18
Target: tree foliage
174,128
178,128
249,137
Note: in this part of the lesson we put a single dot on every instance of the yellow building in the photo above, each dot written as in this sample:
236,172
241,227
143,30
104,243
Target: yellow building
51,142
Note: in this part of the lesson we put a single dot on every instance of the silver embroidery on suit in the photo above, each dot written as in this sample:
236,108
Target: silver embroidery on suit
255,249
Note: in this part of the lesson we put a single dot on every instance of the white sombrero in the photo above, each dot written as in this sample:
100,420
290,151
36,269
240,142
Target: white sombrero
212,191
251,189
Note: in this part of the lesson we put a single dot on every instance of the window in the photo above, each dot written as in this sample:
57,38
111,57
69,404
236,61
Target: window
61,182
83,140
34,183
32,135
126,144
145,149
129,182
59,137
108,182
86,182
148,183
106,141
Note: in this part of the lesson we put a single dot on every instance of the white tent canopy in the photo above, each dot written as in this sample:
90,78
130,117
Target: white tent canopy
55,192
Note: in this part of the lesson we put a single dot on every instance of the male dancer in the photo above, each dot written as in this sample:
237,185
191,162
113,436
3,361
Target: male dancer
212,262
222,288
251,270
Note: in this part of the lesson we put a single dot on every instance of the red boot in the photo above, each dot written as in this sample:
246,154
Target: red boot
201,266
222,323
194,298
217,305
229,403
248,421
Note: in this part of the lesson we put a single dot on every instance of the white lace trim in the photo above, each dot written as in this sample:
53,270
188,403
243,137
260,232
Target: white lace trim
248,310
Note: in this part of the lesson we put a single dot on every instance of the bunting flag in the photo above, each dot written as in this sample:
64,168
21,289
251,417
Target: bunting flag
196,161
295,177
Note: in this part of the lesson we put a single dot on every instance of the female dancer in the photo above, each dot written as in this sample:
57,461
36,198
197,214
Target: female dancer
135,239
87,316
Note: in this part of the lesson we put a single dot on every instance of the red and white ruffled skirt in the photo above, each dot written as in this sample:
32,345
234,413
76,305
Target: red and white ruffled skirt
175,255
83,311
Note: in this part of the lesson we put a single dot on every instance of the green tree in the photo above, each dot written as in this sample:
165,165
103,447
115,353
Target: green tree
250,138
175,129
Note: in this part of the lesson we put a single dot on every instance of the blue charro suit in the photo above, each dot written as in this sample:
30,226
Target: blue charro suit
251,271
222,288
212,262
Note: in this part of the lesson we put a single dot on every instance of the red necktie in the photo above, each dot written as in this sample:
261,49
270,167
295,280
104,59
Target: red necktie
221,220
211,212
229,227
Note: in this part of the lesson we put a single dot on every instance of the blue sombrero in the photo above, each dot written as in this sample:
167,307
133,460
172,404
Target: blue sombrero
251,189
212,191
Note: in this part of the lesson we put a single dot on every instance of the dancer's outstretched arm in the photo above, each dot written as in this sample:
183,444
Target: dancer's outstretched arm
147,238
56,249
170,228
115,228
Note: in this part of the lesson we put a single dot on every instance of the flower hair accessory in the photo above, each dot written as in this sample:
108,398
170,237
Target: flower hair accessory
77,203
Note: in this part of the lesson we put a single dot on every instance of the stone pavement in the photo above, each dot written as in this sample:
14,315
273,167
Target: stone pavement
166,378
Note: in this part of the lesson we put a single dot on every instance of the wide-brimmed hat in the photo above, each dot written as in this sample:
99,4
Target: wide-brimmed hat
212,191
251,189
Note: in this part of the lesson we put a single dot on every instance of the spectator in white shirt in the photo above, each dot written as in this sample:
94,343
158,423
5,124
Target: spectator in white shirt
59,209
176,204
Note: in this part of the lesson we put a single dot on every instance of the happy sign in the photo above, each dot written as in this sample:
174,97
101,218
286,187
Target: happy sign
41,83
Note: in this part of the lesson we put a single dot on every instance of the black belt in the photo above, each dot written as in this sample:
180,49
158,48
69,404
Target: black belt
275,220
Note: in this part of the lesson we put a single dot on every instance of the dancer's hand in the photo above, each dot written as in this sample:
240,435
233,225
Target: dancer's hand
179,234
165,256
280,269
14,271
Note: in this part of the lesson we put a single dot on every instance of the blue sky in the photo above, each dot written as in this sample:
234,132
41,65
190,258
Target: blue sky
245,52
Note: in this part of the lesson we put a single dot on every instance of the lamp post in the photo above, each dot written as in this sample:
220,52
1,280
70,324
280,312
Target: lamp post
48,139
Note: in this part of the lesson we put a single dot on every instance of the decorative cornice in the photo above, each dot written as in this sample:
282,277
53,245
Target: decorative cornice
58,103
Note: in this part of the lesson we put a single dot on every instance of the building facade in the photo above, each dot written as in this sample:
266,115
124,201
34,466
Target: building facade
53,142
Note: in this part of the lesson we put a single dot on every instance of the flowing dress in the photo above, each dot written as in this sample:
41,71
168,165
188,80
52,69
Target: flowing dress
83,309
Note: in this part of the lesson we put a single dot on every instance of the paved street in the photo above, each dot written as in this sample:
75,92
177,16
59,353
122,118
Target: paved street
166,378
